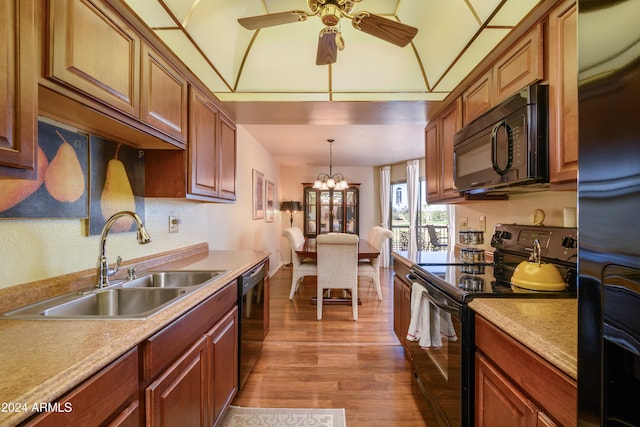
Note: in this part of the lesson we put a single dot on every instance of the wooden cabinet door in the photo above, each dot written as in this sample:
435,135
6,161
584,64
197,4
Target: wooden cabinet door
164,96
451,122
520,66
223,341
94,51
179,397
203,149
100,399
227,164
432,160
499,403
18,89
398,286
406,314
563,94
477,99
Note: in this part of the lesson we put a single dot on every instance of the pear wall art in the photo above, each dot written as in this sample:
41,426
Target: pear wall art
61,189
117,184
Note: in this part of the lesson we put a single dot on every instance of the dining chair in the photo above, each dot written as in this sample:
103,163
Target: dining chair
371,268
301,267
338,266
434,241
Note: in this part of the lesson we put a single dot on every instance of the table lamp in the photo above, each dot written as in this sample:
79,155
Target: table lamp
291,207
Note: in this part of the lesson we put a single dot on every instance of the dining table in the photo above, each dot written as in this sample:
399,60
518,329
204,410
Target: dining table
308,249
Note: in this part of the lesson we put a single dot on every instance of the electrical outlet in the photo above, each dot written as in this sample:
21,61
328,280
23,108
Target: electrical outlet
174,223
464,222
483,223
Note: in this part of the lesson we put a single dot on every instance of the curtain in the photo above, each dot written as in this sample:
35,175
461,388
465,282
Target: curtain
413,186
385,188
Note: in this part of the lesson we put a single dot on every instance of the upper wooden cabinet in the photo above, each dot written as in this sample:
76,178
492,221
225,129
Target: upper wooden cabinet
478,98
439,153
228,158
432,160
451,123
93,57
164,95
521,65
207,170
18,89
563,94
94,51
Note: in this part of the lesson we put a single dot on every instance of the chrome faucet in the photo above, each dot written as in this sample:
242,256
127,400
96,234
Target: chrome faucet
104,272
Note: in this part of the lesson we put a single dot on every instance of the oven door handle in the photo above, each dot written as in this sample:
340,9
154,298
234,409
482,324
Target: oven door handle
432,300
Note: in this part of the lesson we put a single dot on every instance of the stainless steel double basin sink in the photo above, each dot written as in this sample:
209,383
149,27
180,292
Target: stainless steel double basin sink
131,299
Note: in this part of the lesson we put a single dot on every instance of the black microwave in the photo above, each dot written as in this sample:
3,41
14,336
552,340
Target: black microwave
506,146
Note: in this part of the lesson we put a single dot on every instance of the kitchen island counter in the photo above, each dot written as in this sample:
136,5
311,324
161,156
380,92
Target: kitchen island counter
43,359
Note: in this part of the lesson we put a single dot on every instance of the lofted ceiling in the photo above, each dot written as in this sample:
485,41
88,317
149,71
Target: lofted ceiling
375,95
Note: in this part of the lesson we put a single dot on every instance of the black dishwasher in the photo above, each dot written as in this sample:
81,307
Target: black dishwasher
251,318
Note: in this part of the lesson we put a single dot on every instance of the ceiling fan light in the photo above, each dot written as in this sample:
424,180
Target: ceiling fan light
343,185
331,183
317,184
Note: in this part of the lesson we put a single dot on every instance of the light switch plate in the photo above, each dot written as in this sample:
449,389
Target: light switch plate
483,223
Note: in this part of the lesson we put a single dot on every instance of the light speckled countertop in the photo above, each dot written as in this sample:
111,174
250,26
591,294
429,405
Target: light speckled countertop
549,327
42,359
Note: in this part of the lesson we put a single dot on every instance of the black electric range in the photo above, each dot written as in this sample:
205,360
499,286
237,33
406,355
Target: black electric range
444,371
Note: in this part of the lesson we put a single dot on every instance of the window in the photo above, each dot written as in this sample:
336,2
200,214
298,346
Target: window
427,215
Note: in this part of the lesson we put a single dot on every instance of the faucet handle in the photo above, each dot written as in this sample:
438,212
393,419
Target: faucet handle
112,271
131,272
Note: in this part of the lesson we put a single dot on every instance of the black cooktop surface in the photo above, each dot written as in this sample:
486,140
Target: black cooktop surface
463,282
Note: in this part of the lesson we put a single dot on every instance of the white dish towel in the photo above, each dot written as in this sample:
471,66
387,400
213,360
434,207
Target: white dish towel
425,325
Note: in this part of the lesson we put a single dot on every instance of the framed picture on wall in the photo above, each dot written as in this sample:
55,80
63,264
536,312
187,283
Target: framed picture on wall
270,214
258,195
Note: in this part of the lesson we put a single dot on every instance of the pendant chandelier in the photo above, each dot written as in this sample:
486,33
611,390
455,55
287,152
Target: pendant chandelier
330,181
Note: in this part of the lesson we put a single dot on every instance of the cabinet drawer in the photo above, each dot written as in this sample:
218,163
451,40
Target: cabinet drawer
108,396
167,345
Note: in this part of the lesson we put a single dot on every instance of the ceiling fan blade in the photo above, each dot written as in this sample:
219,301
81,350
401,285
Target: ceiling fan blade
392,31
327,49
271,19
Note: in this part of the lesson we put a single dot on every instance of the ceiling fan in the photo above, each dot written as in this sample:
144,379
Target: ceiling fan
330,38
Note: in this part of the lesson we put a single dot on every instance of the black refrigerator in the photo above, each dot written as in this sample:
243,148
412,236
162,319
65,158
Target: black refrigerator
609,213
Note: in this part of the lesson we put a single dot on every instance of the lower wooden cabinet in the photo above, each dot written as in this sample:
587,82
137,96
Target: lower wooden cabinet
401,303
179,396
223,364
110,397
516,387
499,402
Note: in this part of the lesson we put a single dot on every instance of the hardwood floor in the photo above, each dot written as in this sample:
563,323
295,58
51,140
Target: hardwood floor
336,362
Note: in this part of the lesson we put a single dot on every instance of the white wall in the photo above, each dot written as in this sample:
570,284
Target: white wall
231,226
37,249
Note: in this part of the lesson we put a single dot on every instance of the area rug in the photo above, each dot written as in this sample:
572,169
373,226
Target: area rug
238,416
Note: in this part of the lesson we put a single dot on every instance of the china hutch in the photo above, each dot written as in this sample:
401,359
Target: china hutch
330,211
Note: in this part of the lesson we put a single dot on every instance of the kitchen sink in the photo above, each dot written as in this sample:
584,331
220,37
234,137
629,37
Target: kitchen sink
132,299
116,303
173,279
